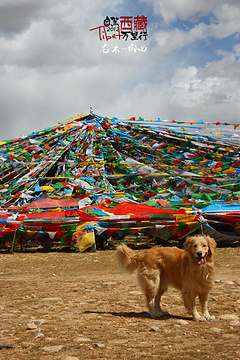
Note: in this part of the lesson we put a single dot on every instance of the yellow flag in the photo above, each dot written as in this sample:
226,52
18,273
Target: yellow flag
186,219
87,241
47,188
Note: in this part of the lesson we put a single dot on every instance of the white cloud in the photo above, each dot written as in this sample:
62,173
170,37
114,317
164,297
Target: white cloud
185,9
228,23
16,16
59,37
236,49
190,87
168,41
182,9
191,94
51,66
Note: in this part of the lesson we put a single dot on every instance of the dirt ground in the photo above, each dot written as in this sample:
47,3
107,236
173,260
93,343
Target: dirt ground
69,306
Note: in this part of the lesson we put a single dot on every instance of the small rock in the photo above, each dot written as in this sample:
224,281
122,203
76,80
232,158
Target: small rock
230,336
5,315
154,328
109,283
52,299
214,299
97,345
217,281
31,326
5,347
229,317
135,292
38,321
119,342
54,348
234,323
70,358
182,322
229,282
217,330
40,335
82,339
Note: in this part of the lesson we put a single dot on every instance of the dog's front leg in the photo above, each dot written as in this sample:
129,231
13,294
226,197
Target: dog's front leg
204,303
189,302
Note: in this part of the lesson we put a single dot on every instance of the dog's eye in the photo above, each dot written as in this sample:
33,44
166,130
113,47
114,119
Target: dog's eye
204,245
195,245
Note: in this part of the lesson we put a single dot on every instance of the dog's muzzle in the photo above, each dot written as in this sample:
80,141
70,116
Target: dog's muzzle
200,258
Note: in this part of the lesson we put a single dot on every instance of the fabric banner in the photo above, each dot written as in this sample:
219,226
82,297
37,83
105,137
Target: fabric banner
87,240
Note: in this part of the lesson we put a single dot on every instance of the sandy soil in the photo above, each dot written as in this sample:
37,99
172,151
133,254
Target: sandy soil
69,306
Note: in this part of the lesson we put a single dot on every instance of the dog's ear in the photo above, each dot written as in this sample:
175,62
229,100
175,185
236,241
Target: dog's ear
187,243
211,246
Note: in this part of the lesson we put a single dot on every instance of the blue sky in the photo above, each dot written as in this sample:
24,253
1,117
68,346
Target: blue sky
52,67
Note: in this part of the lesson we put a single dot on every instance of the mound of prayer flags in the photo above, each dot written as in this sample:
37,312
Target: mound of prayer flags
91,178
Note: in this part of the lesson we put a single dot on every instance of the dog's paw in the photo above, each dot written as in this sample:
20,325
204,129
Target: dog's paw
209,317
164,314
199,318
160,315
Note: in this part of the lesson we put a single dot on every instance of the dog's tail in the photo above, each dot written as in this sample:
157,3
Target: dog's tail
127,259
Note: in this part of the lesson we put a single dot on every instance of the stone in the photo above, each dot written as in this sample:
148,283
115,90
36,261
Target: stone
118,342
82,339
54,348
217,330
70,358
230,336
38,321
97,345
109,283
234,323
182,322
5,347
31,326
229,282
154,328
40,335
229,317
135,292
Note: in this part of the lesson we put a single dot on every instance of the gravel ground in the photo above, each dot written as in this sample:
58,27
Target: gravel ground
69,306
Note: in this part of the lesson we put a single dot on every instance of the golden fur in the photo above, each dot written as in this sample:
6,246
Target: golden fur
189,270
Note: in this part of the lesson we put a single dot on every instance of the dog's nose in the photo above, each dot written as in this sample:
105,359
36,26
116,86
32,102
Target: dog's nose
199,253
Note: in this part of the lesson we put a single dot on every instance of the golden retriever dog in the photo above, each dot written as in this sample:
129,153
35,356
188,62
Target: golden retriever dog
189,270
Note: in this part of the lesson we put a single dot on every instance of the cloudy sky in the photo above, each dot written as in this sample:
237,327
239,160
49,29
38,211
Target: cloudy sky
52,67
